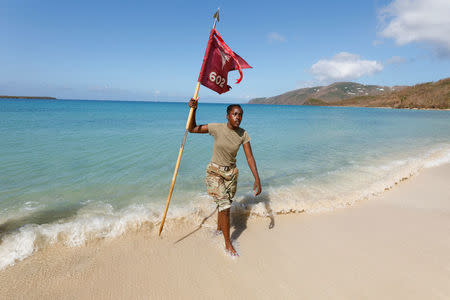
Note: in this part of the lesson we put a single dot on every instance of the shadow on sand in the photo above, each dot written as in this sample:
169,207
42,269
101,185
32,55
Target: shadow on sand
240,213
196,229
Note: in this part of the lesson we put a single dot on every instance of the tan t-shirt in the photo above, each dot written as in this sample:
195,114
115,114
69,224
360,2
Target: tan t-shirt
226,143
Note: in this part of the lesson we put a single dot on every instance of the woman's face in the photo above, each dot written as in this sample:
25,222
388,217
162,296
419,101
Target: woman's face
235,117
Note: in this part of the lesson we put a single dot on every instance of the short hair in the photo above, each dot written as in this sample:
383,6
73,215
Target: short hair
230,107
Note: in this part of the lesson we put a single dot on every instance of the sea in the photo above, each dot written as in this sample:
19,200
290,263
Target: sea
73,171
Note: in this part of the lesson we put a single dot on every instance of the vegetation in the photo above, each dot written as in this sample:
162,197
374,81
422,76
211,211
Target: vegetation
435,95
316,102
430,95
331,93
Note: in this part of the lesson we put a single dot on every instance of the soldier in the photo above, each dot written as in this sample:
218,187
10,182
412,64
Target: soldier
221,172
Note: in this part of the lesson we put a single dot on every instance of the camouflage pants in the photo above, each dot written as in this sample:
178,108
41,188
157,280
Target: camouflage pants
221,185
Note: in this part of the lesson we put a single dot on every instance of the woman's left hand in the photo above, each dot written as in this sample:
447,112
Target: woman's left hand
257,188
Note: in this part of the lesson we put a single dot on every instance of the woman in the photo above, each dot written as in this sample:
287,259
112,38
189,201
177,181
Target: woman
221,172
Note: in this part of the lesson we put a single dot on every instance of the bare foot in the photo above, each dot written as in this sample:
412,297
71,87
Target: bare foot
231,250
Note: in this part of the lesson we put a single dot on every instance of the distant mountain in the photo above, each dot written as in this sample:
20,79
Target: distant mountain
426,95
434,95
327,94
27,97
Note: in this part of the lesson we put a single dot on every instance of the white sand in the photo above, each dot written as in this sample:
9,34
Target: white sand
394,246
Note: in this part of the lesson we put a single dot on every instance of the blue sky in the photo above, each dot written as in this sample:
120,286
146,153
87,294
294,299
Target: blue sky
153,50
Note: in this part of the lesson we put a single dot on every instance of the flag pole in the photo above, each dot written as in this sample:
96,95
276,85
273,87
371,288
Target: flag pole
180,153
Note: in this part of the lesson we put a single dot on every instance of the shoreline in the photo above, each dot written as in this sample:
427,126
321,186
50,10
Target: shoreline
28,97
354,106
393,245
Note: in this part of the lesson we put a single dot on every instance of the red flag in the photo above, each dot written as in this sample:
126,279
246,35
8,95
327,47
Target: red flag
218,61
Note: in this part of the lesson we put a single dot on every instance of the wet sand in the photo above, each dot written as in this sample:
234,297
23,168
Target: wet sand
392,246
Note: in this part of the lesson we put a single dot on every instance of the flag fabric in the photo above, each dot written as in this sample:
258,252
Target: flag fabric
218,61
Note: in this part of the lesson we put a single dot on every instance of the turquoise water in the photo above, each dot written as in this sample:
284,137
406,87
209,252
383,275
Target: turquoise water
76,170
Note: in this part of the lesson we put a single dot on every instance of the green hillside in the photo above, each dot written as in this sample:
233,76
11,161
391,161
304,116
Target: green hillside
426,95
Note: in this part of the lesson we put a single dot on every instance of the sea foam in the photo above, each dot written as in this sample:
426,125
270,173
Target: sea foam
324,193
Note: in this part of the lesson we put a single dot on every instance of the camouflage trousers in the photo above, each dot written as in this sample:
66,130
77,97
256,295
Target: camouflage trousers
221,184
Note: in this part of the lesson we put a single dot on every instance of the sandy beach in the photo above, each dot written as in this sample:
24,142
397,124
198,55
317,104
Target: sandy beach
392,246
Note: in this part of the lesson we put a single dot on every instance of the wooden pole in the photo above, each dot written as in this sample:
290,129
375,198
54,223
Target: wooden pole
180,153
177,166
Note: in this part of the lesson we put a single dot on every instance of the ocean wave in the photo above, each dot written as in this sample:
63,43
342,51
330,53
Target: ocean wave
347,186
327,192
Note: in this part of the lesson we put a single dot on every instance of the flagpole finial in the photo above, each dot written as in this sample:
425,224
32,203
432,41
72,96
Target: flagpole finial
216,17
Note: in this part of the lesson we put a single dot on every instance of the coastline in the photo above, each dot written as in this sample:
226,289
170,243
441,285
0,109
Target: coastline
28,97
394,245
389,107
427,95
355,106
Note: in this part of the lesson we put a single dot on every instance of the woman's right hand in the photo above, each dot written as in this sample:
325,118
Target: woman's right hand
193,103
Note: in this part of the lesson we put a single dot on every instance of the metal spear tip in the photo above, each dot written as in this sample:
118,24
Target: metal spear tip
216,15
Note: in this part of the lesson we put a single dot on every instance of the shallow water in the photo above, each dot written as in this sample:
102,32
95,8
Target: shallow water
77,170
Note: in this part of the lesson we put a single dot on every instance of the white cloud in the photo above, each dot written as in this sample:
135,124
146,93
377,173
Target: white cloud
275,37
395,60
422,21
344,66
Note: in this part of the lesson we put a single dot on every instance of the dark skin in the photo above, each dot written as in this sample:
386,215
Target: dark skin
234,121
